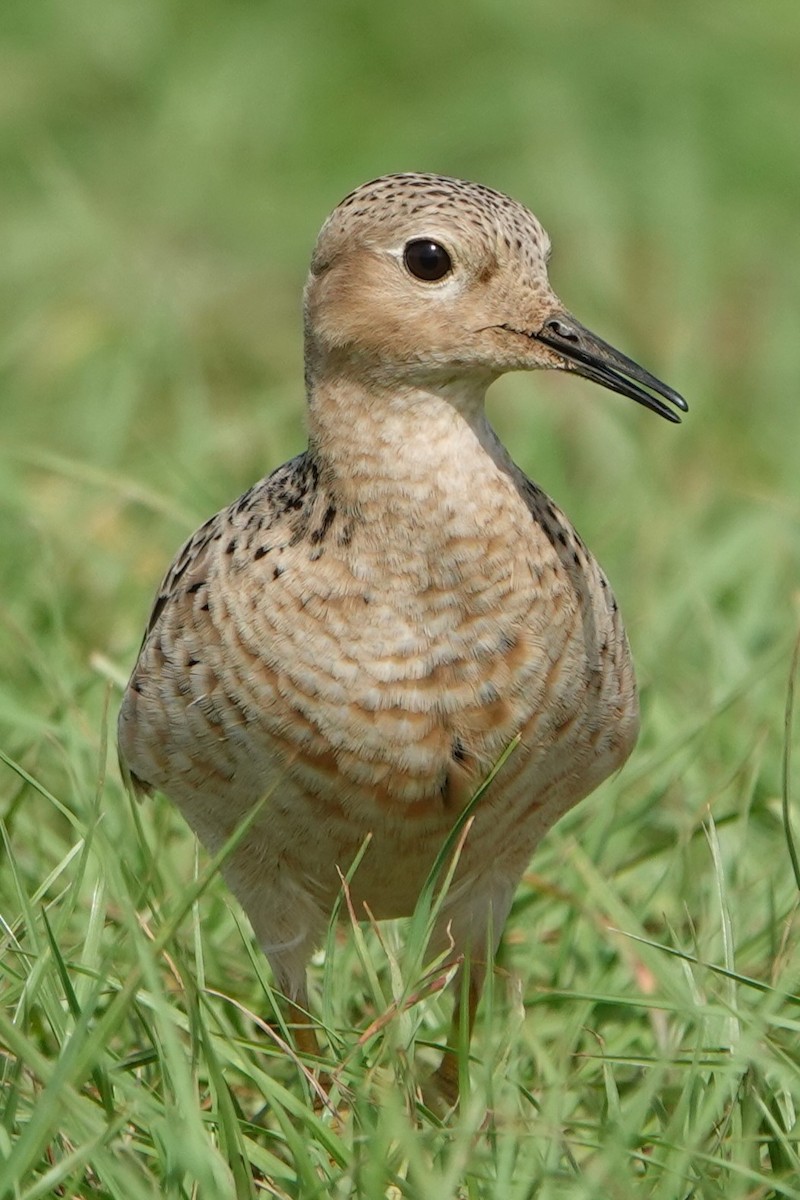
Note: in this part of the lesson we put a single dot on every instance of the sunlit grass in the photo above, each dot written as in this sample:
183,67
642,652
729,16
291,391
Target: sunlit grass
164,174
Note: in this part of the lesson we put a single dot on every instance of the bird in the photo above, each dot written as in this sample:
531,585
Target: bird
338,660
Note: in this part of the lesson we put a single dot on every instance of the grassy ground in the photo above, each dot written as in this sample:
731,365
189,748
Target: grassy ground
164,170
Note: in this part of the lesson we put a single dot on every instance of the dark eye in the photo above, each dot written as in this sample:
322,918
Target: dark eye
427,260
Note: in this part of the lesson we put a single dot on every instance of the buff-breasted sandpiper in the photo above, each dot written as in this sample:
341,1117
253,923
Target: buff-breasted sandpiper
361,635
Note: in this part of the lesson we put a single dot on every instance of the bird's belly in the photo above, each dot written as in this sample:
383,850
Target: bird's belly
403,824
386,772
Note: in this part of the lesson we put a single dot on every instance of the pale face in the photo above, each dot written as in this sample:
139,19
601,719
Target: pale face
428,281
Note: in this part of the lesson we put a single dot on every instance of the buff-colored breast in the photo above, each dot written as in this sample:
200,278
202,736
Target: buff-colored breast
368,691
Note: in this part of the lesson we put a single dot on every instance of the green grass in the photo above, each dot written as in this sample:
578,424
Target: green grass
164,169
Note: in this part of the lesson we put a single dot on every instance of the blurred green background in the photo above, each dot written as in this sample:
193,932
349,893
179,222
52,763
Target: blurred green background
164,168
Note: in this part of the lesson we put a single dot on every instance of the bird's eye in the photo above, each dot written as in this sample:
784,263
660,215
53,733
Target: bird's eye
427,260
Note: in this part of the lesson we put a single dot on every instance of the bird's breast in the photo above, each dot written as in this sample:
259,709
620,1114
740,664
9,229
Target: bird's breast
399,672
367,680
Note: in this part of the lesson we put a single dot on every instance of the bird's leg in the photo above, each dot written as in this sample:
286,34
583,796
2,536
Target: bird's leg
306,1042
303,1032
473,930
289,957
469,979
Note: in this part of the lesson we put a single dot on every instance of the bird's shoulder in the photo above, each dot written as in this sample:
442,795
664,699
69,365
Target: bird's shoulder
277,506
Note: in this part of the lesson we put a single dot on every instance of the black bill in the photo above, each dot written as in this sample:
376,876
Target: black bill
588,355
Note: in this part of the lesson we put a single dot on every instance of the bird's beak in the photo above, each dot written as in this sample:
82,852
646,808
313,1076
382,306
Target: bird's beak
588,355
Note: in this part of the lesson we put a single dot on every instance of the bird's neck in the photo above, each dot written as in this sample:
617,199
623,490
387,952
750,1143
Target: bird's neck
402,450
